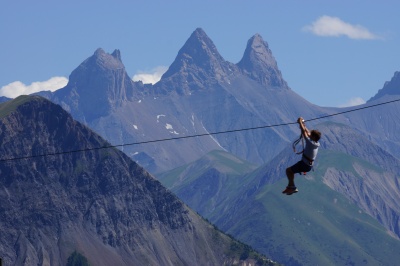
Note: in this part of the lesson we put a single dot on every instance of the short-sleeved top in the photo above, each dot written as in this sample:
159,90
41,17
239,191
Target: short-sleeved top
311,149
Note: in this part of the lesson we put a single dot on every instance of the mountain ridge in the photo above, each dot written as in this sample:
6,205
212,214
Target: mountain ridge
97,202
391,87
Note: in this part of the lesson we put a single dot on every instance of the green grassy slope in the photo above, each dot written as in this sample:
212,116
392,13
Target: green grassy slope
212,181
317,226
8,107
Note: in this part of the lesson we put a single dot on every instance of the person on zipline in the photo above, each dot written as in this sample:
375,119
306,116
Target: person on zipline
307,161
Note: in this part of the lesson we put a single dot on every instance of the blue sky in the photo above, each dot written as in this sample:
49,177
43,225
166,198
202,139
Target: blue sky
332,53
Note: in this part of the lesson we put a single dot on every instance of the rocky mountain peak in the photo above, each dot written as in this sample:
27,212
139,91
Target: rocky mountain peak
198,50
198,60
117,55
101,59
100,82
391,87
259,64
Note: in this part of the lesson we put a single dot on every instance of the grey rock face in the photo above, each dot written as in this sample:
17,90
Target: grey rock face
391,87
198,66
259,64
95,201
97,87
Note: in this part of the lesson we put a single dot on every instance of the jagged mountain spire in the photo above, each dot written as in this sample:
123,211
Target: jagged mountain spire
198,50
117,55
391,87
102,59
259,64
197,61
101,80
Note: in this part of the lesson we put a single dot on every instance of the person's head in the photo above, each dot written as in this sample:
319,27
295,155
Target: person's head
315,135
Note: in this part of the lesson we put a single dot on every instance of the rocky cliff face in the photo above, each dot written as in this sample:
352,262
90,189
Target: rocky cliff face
97,87
198,66
259,64
391,87
95,201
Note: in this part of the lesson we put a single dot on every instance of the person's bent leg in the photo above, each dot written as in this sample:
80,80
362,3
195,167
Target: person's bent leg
291,188
290,176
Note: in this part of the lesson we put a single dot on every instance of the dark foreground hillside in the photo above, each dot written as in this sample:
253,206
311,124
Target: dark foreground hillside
96,204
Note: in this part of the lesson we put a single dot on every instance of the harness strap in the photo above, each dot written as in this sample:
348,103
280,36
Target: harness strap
297,141
310,161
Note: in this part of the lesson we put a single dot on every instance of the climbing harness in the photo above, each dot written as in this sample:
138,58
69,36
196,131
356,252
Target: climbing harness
294,146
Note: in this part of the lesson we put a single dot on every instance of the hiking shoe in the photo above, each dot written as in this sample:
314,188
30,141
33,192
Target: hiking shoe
290,190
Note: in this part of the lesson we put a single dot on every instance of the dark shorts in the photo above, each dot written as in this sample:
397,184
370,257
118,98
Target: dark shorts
300,167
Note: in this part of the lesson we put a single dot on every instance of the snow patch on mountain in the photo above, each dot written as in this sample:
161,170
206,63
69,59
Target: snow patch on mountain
158,117
214,139
192,120
171,129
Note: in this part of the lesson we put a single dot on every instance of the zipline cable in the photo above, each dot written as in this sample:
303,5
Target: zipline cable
196,135
353,110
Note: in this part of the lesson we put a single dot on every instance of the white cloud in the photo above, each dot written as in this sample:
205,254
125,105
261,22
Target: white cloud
335,27
153,77
353,102
18,88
